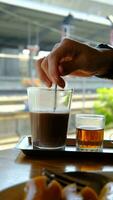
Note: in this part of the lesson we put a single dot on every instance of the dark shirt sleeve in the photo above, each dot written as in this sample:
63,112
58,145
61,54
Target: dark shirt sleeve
109,74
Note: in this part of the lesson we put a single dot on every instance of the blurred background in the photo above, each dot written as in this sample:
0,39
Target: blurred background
29,29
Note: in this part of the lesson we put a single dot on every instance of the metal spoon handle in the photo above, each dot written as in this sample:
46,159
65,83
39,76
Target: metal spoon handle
55,97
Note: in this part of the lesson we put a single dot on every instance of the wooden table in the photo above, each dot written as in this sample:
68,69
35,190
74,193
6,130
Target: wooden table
16,168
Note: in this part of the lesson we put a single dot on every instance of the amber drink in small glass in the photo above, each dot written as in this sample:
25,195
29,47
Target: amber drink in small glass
89,132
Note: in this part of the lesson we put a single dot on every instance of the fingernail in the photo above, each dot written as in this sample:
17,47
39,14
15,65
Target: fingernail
61,83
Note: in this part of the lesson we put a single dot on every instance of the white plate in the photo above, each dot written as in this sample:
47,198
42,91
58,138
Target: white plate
96,180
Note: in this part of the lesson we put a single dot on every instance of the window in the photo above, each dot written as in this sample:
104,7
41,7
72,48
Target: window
26,31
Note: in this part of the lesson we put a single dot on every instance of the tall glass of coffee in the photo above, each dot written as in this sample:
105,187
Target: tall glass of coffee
49,114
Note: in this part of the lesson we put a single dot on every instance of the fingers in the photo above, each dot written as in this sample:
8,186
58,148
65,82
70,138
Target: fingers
43,76
54,78
60,81
42,70
51,69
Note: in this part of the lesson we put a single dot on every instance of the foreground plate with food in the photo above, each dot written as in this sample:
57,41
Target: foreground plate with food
93,180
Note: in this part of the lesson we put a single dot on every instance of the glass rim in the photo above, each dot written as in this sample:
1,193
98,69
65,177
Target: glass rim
48,89
95,116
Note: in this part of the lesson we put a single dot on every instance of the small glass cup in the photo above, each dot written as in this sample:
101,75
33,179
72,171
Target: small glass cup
49,113
89,132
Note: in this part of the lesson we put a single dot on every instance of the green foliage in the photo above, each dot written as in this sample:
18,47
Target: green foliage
66,99
104,104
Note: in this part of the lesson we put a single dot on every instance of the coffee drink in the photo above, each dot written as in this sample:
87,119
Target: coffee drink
49,129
